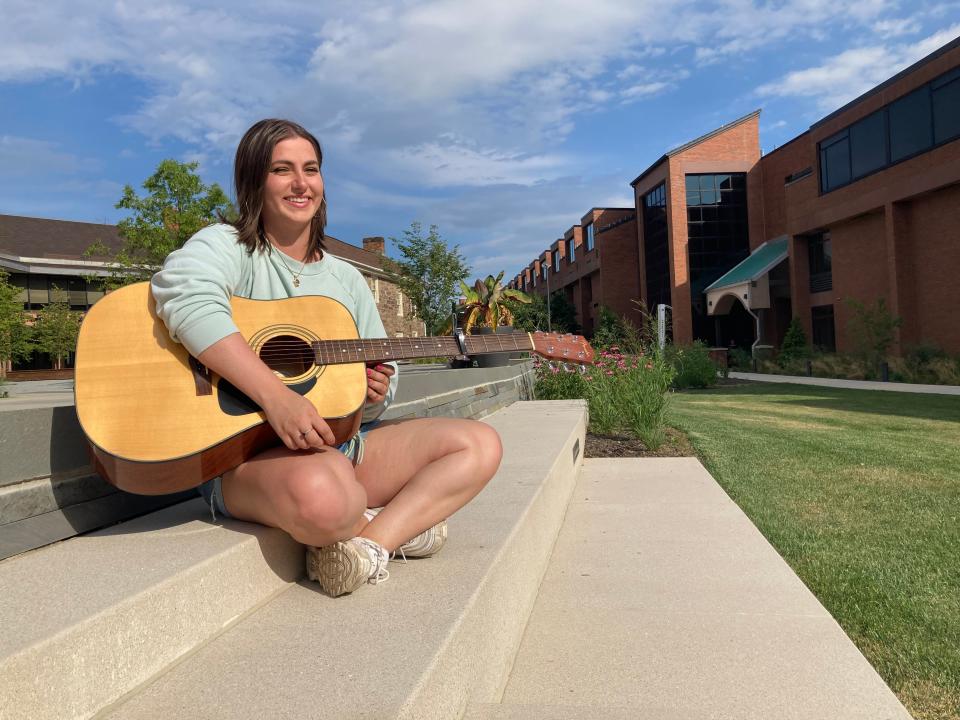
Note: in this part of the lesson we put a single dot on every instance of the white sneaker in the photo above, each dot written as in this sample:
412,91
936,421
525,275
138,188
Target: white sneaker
347,565
423,545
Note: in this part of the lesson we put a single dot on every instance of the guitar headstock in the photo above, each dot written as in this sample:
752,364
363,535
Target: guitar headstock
565,348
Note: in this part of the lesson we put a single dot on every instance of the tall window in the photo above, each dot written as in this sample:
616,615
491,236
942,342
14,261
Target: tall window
915,123
824,334
588,231
556,261
545,268
717,237
655,252
571,252
821,263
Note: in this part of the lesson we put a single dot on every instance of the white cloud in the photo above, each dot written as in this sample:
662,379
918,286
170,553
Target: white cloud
740,26
896,27
845,76
635,92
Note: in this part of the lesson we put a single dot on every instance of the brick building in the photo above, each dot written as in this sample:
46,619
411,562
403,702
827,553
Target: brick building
865,205
45,256
594,264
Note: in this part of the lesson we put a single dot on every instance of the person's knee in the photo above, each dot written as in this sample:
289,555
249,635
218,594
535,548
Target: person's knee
327,502
487,449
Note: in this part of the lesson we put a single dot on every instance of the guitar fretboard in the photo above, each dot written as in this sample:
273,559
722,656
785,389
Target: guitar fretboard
334,352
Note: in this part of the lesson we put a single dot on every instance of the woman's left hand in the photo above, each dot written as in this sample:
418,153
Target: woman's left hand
378,382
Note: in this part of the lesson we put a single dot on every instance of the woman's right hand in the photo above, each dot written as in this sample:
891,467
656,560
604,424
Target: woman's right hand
296,421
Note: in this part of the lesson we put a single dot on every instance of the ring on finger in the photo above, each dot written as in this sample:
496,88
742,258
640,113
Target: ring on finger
304,433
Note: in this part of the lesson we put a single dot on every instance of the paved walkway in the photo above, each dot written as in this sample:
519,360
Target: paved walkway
22,395
662,600
851,384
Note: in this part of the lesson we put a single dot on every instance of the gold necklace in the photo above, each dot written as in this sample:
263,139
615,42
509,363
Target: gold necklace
294,275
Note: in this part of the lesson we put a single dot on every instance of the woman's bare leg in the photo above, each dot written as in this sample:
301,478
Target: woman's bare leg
314,496
423,471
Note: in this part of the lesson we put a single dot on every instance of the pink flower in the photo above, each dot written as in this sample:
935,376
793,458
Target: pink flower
649,366
609,372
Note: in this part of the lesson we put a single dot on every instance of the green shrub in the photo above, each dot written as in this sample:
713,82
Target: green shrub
794,347
739,359
692,365
624,393
872,330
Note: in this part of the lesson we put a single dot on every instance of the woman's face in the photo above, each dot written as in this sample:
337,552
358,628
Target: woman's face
294,187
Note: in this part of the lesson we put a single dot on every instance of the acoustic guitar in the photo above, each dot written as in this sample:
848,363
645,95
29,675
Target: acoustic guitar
159,422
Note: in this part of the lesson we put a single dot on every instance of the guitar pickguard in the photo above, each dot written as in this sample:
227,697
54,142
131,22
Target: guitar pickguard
234,402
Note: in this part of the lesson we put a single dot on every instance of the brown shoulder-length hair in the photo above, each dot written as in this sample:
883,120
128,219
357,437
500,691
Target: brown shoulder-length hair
250,170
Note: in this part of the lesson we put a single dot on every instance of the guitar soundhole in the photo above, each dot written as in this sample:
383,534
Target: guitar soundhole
288,356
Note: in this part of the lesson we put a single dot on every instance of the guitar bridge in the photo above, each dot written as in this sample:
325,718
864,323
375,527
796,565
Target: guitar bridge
201,377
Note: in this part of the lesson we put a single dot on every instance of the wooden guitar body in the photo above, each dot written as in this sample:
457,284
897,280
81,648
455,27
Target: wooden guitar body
158,422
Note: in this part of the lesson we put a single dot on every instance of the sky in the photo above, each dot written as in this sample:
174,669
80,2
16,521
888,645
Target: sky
501,121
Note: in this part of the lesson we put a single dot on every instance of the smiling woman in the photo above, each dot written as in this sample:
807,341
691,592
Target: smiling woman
393,484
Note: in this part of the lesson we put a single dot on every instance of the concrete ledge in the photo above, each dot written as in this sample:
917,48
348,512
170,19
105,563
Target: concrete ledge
440,633
87,620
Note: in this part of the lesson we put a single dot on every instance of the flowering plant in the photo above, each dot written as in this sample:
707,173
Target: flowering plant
624,393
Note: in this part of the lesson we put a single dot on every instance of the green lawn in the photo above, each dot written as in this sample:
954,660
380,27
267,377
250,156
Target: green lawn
860,493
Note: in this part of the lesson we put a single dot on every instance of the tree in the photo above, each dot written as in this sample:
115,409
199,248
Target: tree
563,313
531,316
428,273
15,335
57,328
177,205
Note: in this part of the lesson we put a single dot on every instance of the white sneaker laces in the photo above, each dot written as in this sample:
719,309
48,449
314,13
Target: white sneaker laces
379,558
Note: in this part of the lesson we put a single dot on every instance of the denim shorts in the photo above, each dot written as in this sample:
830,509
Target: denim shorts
212,490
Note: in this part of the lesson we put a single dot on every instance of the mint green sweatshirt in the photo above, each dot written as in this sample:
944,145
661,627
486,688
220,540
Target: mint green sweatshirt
195,284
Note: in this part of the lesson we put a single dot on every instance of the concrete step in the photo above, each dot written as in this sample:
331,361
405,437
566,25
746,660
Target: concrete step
173,615
441,632
662,600
88,619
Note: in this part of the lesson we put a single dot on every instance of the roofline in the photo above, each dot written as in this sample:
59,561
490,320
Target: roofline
76,222
695,141
955,43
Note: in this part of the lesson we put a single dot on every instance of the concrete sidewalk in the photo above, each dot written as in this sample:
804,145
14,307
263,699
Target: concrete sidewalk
662,600
849,384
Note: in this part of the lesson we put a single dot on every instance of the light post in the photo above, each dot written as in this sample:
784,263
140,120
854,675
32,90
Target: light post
549,325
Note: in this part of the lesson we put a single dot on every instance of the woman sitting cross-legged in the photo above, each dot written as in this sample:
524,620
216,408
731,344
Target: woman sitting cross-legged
393,485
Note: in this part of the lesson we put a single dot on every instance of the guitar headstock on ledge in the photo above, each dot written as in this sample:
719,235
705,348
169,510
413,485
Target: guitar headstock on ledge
565,348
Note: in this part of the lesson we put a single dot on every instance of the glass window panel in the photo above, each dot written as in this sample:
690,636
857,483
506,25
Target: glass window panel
868,144
723,182
708,197
836,160
693,183
910,124
693,198
946,111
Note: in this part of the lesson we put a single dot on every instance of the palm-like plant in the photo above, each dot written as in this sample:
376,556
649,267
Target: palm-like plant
484,304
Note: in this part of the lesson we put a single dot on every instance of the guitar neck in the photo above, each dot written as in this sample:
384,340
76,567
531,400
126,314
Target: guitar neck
334,352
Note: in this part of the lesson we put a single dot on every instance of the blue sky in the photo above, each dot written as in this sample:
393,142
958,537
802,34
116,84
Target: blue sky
501,121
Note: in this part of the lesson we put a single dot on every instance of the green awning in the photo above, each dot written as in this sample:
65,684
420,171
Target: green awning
761,261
